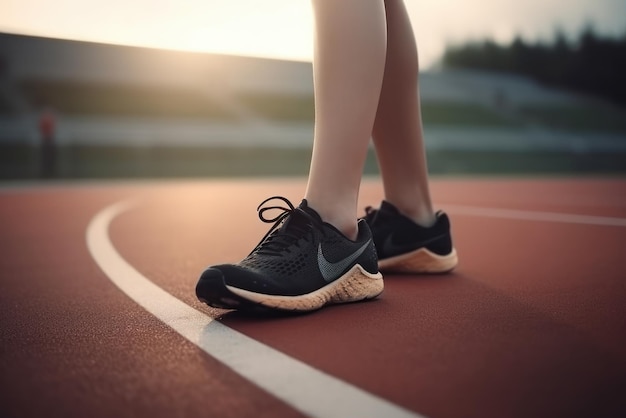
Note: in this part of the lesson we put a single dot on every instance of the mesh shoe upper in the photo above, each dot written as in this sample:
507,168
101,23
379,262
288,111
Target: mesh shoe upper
395,234
300,254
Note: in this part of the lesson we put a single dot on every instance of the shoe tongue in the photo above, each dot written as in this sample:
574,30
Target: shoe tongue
292,228
304,206
300,217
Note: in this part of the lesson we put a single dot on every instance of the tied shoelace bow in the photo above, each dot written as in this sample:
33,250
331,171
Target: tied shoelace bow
275,244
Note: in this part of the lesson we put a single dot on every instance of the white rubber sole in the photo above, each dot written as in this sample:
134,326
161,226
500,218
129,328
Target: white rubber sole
355,285
420,261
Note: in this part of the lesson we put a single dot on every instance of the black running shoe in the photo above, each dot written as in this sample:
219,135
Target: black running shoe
301,264
403,246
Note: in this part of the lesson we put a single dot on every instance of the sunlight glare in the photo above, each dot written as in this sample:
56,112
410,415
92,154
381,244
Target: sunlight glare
258,32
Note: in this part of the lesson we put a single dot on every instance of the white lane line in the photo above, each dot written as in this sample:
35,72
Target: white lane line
304,388
534,216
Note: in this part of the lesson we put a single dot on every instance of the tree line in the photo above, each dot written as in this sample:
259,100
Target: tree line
591,63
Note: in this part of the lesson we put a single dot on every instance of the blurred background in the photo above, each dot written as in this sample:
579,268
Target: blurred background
162,88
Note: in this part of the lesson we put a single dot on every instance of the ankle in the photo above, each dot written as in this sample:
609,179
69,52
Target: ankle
347,225
349,229
424,219
422,215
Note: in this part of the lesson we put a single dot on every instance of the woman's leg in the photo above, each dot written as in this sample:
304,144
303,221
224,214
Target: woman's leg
397,130
350,45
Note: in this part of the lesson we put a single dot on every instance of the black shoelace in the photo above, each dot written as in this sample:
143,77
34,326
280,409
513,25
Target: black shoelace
291,233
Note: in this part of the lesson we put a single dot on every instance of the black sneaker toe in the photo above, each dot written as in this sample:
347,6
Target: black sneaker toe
211,289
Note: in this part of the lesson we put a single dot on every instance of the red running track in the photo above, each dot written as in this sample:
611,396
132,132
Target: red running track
531,324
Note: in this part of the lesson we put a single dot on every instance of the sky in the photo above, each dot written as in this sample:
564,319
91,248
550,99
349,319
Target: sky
283,29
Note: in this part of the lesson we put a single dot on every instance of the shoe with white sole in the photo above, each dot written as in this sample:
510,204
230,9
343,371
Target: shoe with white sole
302,264
403,246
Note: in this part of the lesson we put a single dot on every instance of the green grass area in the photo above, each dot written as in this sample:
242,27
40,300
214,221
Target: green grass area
82,98
439,113
526,163
581,118
300,108
153,162
280,107
78,162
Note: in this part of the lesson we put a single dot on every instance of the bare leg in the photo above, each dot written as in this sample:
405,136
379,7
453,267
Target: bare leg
397,131
350,44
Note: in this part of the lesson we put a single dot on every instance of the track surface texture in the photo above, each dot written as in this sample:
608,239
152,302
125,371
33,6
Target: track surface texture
532,323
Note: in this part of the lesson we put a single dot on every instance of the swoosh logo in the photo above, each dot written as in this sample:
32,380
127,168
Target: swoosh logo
330,270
